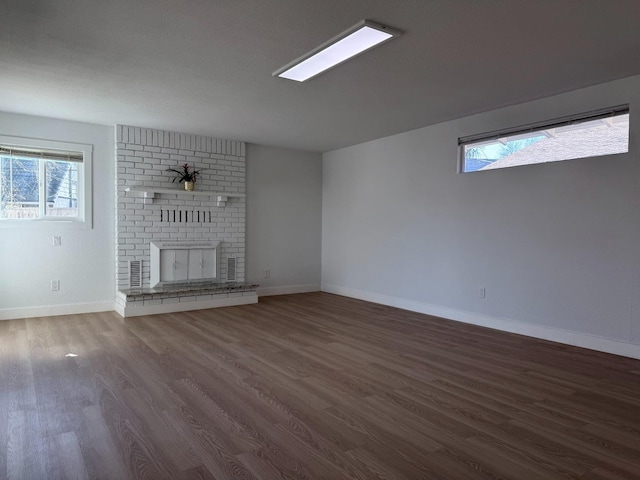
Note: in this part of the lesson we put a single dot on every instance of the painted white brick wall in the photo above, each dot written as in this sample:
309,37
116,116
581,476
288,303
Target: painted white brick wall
143,155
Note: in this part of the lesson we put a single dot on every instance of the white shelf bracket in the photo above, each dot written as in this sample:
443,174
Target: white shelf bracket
221,200
147,197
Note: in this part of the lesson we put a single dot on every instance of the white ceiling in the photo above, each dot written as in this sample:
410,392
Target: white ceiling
204,66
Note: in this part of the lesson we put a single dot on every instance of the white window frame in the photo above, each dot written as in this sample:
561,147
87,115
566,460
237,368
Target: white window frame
527,130
85,194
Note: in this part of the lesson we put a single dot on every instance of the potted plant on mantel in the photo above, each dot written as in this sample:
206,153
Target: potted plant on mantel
188,175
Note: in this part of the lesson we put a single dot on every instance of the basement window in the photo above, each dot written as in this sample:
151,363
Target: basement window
43,180
592,134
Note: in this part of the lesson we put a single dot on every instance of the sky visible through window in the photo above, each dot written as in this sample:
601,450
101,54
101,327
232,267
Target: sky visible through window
476,158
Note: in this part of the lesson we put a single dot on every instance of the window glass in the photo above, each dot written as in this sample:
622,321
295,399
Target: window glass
607,134
61,188
19,188
44,180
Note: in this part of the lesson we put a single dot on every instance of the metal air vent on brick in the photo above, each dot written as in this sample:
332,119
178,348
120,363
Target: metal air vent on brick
135,273
231,269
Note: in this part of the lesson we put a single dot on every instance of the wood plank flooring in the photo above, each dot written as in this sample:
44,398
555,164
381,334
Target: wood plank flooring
311,386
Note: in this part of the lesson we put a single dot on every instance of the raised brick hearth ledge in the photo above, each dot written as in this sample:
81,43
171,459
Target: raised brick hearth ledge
131,302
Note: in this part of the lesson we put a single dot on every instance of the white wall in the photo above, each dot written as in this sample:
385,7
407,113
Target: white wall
284,202
84,263
556,245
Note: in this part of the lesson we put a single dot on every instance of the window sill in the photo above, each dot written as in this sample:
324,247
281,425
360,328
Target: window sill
43,222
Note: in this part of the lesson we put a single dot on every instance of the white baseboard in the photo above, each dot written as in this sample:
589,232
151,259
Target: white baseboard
288,289
52,310
567,337
139,310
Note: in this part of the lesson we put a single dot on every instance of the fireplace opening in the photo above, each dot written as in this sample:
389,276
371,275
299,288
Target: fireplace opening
183,262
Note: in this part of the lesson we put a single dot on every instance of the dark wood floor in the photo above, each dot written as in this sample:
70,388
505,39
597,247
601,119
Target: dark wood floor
310,386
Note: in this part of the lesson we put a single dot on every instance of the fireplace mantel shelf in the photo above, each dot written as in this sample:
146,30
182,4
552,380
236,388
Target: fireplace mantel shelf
149,193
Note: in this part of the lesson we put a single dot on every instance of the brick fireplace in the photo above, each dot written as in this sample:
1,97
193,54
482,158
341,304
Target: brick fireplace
150,208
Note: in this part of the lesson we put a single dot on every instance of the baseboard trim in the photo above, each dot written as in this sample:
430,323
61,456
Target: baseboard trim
567,337
288,289
52,310
140,310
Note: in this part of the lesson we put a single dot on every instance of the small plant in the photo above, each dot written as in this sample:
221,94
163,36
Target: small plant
185,175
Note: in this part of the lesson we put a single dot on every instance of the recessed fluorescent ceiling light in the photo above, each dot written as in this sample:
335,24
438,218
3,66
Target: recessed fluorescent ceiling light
354,41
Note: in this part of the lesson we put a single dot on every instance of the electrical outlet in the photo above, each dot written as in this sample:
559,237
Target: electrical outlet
55,285
267,272
57,241
482,292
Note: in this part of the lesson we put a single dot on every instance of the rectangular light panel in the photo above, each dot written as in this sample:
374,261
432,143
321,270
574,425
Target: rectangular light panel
356,40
